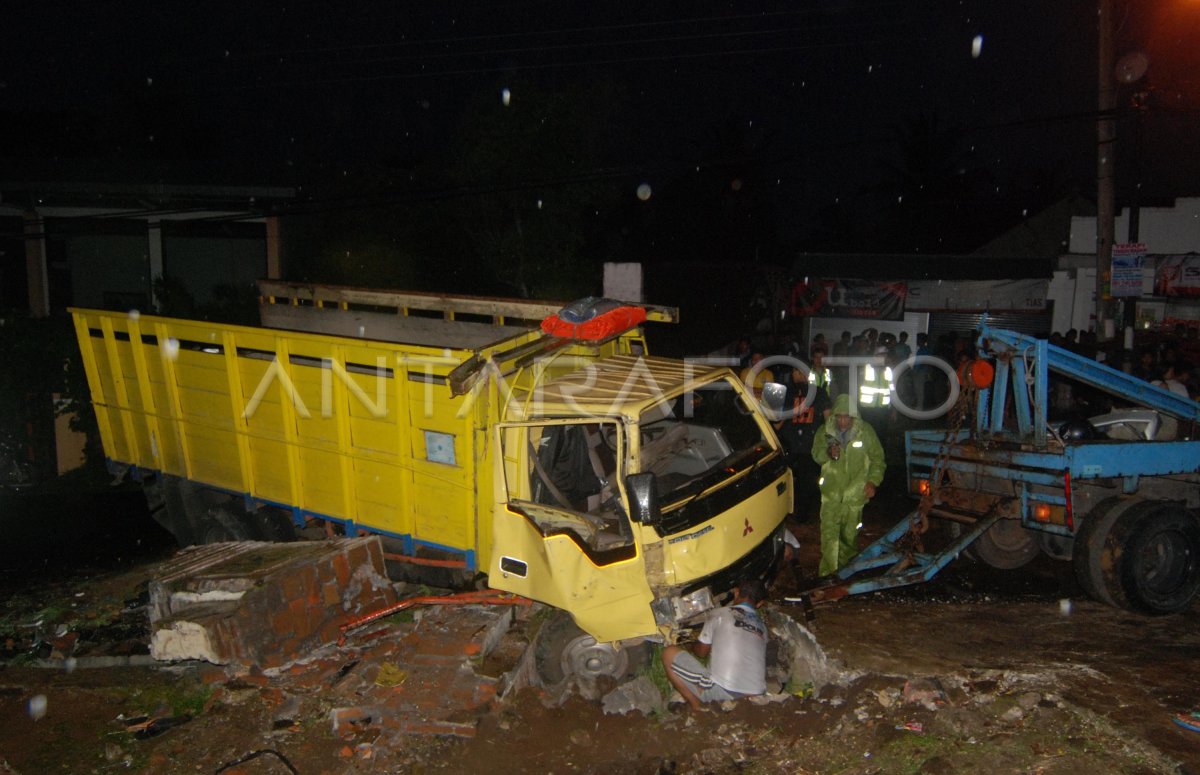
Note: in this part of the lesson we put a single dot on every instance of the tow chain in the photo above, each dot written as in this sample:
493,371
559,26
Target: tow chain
919,519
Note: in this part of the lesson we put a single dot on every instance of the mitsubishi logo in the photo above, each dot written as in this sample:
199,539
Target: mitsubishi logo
748,529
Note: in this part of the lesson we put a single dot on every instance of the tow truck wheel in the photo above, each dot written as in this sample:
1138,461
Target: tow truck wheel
1155,553
1007,545
563,650
1090,541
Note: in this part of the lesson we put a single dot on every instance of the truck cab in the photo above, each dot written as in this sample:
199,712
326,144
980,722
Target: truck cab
632,491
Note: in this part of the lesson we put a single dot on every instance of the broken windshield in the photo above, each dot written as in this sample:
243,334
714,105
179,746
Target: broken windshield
695,440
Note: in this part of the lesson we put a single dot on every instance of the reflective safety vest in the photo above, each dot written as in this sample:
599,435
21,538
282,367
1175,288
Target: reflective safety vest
875,386
822,378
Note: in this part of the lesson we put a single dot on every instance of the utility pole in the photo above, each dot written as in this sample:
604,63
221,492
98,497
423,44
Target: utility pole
1106,131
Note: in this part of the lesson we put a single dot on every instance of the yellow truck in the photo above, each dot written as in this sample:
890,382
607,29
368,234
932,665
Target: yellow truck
536,444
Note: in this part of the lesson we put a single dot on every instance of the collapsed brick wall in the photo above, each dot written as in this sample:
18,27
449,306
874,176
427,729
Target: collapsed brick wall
263,604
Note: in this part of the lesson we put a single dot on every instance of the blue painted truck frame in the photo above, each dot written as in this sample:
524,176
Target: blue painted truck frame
1013,446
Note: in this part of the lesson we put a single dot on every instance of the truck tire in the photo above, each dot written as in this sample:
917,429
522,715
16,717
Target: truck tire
1007,545
166,498
195,514
1090,540
562,650
1153,555
271,523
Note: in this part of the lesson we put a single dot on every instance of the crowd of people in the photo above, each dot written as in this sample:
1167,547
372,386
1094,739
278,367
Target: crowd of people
1165,357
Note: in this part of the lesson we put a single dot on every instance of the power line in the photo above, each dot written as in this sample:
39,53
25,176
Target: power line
528,33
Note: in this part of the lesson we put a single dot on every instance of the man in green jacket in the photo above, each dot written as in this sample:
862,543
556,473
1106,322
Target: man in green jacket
852,466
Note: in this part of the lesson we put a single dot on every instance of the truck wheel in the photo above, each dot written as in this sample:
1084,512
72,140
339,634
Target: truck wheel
274,524
220,522
167,498
1155,559
1007,545
562,650
1090,540
196,514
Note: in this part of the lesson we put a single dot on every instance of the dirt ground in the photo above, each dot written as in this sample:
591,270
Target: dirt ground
980,671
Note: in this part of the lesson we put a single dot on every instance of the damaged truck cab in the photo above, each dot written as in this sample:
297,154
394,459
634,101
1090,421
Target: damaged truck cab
630,489
537,444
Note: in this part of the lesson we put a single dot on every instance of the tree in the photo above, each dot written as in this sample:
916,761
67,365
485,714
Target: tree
531,190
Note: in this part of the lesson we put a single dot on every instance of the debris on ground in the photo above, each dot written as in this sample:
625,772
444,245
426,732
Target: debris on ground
640,694
421,691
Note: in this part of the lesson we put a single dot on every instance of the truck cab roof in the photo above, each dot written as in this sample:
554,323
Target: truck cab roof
624,385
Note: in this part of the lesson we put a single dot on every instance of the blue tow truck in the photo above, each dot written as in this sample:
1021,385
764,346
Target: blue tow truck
1116,496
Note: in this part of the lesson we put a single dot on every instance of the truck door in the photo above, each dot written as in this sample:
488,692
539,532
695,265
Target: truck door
561,532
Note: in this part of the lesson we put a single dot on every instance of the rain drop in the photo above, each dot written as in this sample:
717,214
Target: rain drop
539,204
976,46
37,707
736,184
170,348
505,97
134,314
643,192
149,81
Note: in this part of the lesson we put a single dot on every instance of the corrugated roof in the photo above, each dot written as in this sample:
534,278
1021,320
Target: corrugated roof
622,382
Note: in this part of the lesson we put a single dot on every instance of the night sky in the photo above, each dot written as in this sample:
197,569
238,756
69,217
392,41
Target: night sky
818,91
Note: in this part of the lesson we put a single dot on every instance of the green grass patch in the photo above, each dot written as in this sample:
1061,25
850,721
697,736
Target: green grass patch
184,698
657,672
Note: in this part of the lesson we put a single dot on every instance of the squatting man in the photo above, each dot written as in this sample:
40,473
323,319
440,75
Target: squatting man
736,639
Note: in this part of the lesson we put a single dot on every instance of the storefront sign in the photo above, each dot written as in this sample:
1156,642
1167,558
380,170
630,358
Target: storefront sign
849,299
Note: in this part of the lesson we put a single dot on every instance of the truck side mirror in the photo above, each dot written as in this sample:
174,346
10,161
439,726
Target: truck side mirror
773,397
643,498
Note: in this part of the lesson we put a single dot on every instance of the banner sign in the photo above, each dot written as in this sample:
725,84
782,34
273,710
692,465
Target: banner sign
1178,276
849,299
1127,261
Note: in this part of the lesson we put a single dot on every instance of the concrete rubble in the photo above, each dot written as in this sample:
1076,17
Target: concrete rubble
640,694
263,604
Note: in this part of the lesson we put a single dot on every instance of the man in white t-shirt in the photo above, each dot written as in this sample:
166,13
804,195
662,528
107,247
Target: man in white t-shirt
736,639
